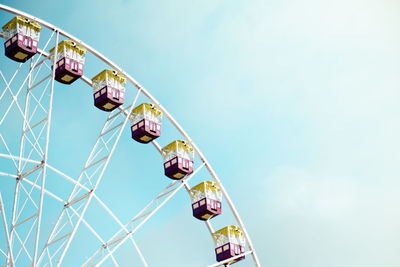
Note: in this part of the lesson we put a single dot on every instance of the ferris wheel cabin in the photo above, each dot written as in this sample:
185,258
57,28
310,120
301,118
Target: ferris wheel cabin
178,159
145,123
70,60
108,90
21,38
206,200
229,243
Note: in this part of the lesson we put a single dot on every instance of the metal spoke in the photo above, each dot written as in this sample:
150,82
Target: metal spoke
76,197
45,157
35,144
11,80
10,258
121,236
8,150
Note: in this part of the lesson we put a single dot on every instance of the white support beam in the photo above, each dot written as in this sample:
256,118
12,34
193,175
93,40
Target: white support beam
45,154
36,144
120,237
10,258
91,163
25,220
97,182
8,150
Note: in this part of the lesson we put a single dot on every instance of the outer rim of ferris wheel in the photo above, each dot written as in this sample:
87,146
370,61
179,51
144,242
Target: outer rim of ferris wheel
125,112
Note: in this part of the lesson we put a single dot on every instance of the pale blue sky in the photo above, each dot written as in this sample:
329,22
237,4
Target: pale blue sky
294,103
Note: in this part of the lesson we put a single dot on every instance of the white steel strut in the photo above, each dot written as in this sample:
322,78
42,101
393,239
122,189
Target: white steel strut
136,222
10,259
33,145
64,202
67,224
90,176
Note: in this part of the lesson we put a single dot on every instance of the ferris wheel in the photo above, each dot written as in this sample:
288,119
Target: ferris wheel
43,57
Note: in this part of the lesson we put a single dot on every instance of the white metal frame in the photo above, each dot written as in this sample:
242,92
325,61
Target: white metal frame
85,186
38,146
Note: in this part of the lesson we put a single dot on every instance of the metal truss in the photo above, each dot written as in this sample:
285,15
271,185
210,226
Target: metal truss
136,222
90,177
64,202
23,235
35,115
9,257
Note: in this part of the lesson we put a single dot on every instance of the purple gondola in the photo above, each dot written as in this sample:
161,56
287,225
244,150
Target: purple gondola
178,159
69,61
108,90
21,38
145,123
206,200
229,242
